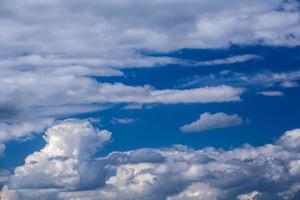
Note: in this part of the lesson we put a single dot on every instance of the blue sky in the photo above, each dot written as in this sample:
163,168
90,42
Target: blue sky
104,100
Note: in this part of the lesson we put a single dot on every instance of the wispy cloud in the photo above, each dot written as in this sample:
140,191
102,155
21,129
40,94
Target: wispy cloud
228,60
259,79
271,93
122,120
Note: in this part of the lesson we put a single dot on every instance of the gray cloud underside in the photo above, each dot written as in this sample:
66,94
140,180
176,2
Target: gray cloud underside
65,169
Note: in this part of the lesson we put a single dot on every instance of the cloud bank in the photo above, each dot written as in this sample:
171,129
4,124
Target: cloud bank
66,169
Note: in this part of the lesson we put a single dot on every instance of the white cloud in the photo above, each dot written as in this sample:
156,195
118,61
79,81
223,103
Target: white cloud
30,95
18,130
250,196
291,139
197,190
208,121
272,93
65,169
229,60
99,28
133,107
71,41
260,79
65,159
122,120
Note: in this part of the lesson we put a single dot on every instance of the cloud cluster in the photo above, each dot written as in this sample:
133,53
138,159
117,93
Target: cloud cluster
30,95
47,64
208,121
66,169
66,159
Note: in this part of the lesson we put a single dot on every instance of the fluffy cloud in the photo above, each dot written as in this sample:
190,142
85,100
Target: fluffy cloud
66,159
66,169
209,121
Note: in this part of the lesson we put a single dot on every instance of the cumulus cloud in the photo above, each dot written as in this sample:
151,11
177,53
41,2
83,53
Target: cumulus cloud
208,121
66,169
65,161
272,93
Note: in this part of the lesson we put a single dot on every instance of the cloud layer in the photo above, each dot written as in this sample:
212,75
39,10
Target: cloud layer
98,28
65,169
51,73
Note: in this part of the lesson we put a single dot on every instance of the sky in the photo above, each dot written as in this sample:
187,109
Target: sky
150,100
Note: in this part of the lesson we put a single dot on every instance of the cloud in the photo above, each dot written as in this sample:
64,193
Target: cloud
2,149
66,169
122,120
30,95
19,130
70,90
65,161
272,93
208,121
82,40
229,60
289,84
99,28
260,79
4,176
250,196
